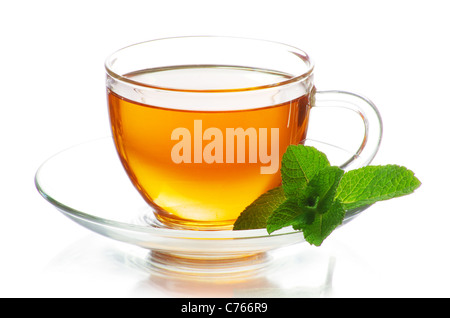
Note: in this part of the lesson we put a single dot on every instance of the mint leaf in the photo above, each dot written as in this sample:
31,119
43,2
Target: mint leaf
322,189
289,213
255,215
305,210
316,232
299,165
367,185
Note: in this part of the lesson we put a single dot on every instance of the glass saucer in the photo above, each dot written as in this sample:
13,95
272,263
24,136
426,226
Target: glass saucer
88,184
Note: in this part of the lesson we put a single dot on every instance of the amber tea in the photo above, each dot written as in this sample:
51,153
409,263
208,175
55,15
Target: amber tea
205,158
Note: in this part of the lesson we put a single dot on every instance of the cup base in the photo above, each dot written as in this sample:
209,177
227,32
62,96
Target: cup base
167,220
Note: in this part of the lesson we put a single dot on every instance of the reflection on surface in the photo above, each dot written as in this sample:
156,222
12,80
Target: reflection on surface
296,271
265,275
264,284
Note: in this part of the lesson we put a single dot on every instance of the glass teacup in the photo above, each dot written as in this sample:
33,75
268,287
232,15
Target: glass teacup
201,123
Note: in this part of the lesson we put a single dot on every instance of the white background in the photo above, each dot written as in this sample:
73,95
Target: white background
52,96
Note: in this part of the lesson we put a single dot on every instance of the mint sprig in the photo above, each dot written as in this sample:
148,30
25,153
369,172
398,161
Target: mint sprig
315,196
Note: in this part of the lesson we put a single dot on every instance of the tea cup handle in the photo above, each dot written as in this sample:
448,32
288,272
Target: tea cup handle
368,113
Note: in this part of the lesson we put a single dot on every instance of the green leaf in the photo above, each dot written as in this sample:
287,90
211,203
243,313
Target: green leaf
322,188
317,198
299,165
316,232
370,184
287,214
256,214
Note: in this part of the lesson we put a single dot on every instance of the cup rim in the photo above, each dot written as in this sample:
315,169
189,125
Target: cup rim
307,59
